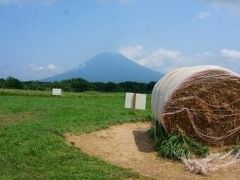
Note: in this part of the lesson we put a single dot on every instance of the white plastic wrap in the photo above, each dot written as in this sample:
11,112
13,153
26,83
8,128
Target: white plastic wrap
221,123
164,89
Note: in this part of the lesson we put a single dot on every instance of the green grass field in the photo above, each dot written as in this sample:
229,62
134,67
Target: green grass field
32,128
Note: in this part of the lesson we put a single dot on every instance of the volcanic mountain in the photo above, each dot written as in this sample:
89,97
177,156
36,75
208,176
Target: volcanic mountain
109,67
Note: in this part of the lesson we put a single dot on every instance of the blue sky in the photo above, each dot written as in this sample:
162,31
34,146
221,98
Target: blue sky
40,38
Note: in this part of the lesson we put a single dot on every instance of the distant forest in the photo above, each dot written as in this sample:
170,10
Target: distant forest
77,85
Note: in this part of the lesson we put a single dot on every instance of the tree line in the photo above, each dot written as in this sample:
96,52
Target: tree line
77,85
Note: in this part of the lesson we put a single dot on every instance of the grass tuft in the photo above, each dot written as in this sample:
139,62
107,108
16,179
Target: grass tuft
175,146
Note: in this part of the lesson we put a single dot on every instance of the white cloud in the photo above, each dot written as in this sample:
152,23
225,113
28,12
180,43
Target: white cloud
132,52
230,54
52,67
160,59
156,59
164,60
204,15
224,1
39,68
21,2
230,5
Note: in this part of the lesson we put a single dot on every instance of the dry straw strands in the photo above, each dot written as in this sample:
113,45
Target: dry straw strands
211,163
202,102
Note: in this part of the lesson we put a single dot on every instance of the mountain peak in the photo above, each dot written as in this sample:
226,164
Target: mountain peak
110,67
109,54
109,57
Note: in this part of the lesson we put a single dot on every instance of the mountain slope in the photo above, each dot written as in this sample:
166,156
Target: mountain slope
109,67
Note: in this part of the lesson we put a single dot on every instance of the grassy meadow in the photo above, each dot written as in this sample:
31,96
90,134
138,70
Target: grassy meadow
32,128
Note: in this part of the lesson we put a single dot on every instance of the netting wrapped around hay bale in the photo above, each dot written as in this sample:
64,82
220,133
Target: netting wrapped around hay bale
202,102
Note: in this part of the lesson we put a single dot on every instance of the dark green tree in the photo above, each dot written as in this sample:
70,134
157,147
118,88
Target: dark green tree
111,87
2,83
13,83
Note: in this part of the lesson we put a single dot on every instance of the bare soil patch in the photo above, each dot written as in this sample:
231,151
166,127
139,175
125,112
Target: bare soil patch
130,146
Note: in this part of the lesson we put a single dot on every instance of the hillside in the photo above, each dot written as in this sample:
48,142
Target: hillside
109,67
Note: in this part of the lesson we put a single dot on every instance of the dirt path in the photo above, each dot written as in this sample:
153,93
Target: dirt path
129,146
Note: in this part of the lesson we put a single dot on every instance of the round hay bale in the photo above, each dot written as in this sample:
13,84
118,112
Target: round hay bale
202,102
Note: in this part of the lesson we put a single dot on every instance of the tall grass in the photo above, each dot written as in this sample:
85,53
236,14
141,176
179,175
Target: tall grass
175,146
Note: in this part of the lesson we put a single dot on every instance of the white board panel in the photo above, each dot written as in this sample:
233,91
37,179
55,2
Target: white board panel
56,92
129,98
140,102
